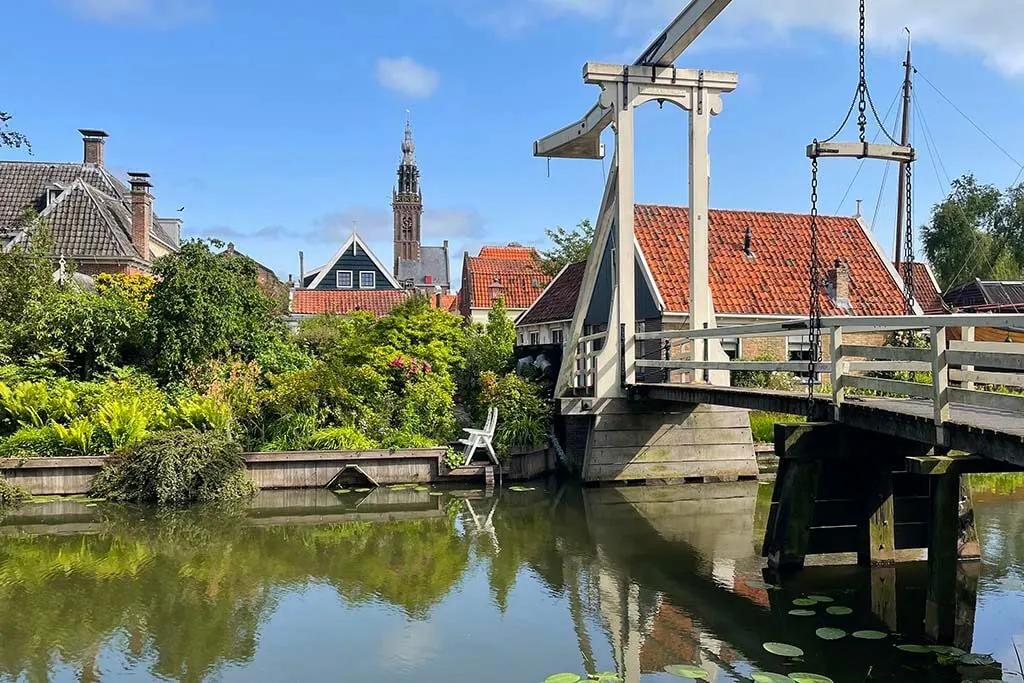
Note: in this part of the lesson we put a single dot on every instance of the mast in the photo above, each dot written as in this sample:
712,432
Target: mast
901,205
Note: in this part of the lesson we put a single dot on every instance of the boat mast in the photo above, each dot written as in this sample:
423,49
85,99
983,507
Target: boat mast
901,205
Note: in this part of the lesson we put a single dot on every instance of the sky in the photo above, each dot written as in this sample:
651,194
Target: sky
277,125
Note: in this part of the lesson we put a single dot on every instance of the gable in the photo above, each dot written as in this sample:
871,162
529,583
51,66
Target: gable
356,259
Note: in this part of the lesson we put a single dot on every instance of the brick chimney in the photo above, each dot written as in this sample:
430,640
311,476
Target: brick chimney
93,141
142,212
839,280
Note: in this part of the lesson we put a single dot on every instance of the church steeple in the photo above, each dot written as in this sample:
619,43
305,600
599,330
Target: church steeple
407,201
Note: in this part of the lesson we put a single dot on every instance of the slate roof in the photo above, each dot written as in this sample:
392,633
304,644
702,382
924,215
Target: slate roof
514,268
926,289
433,262
983,295
558,302
91,217
774,281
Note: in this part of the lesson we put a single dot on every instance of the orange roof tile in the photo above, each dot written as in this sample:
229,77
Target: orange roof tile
448,302
510,253
926,290
775,280
314,302
521,280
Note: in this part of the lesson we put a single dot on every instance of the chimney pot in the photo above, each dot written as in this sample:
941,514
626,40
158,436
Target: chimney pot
142,212
839,280
93,142
860,205
748,239
302,270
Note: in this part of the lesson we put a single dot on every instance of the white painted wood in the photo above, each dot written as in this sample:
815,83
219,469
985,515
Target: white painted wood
968,378
730,365
887,366
838,370
700,198
889,386
895,353
857,150
593,337
988,399
660,80
987,347
967,337
681,33
940,381
609,379
1001,361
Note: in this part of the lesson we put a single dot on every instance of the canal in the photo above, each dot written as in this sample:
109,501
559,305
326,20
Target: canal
436,586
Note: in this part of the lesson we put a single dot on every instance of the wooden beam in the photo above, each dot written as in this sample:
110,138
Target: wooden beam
890,386
887,353
935,465
860,150
789,540
879,526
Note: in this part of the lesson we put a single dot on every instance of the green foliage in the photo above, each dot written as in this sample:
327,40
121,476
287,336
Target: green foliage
762,425
452,458
341,439
176,468
570,246
200,413
524,417
76,438
11,496
431,335
489,349
756,379
26,275
292,432
32,442
398,439
123,421
427,409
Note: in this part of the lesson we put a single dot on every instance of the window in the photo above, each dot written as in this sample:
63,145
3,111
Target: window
556,336
799,349
344,279
534,338
367,279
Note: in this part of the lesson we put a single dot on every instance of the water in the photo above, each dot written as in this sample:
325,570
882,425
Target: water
403,586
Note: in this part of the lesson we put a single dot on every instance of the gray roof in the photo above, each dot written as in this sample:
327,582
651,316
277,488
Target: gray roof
433,262
90,217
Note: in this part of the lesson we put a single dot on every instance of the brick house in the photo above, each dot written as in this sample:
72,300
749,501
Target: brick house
758,273
511,273
98,223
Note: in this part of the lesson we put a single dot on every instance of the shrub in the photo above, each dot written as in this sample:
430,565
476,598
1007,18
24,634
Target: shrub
428,409
201,413
341,439
11,496
397,439
123,422
176,468
524,417
292,432
76,438
758,379
32,442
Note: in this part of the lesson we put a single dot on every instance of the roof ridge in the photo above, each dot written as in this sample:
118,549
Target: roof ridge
115,232
745,211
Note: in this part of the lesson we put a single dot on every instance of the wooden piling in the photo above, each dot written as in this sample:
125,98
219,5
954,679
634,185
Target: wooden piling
878,528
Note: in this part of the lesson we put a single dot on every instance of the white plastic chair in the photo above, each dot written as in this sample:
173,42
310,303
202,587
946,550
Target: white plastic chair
481,438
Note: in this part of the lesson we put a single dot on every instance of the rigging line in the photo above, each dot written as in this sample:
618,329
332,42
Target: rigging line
881,193
970,120
860,167
933,150
943,186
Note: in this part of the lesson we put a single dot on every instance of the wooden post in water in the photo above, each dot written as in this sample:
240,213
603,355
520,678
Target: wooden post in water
942,557
878,529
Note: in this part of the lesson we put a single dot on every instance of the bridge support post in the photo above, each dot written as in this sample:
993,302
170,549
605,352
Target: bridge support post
952,538
878,531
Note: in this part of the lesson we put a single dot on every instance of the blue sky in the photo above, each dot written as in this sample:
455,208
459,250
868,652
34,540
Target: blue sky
277,124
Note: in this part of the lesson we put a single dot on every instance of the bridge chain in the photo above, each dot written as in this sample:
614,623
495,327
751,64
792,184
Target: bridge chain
814,322
908,244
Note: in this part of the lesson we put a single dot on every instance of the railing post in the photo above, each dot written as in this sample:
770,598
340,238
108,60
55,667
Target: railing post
940,382
838,390
967,335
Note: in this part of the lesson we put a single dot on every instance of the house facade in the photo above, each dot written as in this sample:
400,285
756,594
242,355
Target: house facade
98,223
758,273
511,273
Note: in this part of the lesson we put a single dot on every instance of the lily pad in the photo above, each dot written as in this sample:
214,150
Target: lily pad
605,676
521,489
769,677
870,635
977,660
805,602
830,634
915,649
838,610
563,678
820,598
810,678
783,650
690,671
802,613
436,493
421,489
343,491
363,490
947,650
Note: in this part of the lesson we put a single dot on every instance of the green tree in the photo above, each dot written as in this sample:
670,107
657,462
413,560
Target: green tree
204,308
570,246
417,329
9,137
490,349
972,233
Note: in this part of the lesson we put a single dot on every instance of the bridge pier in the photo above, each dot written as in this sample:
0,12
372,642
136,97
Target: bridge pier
653,442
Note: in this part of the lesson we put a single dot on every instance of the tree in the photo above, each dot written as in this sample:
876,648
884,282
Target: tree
490,349
26,275
11,138
974,233
570,246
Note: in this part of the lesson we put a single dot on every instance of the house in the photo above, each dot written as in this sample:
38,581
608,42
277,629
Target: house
987,296
99,224
758,273
265,276
511,273
926,289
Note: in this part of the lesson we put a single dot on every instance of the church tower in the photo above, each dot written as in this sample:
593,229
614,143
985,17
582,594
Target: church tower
407,201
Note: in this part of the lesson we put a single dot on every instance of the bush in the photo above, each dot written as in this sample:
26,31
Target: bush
293,432
341,439
398,439
201,413
756,379
123,422
428,409
11,496
524,417
32,442
762,425
176,468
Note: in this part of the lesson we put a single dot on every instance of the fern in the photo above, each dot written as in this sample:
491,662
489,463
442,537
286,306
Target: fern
201,413
76,438
124,422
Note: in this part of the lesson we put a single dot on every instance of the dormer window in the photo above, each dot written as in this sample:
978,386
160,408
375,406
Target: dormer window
344,279
52,193
367,279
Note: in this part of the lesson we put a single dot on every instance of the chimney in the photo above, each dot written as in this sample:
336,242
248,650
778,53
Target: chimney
839,280
93,140
860,204
446,246
497,291
231,249
748,239
142,212
302,270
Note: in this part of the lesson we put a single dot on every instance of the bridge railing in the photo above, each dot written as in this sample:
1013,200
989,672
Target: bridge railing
947,365
585,362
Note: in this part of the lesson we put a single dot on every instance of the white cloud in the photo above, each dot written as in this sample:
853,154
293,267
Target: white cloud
988,28
407,77
153,12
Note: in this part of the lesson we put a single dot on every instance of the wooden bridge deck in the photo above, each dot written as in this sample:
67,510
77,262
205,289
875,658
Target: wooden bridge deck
993,433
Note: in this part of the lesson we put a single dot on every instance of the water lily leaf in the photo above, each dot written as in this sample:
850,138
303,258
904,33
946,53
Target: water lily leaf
436,493
769,677
810,678
421,488
820,598
605,676
783,650
915,649
870,635
802,612
977,660
838,610
830,634
947,650
805,602
343,491
563,678
363,490
688,671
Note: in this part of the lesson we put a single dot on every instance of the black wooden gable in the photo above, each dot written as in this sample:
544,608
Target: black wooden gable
351,270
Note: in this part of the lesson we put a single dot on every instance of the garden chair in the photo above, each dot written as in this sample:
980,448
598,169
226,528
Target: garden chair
481,438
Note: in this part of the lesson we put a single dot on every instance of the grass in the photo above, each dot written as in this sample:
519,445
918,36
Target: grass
763,424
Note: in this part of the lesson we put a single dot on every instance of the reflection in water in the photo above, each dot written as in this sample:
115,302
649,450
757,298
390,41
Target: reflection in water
403,586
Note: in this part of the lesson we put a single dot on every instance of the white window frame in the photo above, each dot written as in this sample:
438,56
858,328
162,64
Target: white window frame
338,275
561,337
372,274
534,342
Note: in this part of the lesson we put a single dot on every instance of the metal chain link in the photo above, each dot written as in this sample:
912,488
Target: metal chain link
862,87
814,323
908,245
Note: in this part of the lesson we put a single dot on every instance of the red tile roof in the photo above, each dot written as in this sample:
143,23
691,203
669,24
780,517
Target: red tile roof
514,268
448,302
558,302
775,280
926,290
314,302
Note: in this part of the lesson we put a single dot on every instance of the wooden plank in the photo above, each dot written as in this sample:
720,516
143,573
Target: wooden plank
671,435
788,542
878,529
52,463
653,455
935,465
889,386
861,150
895,353
1000,361
987,347
942,556
999,378
735,366
341,456
988,399
887,366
